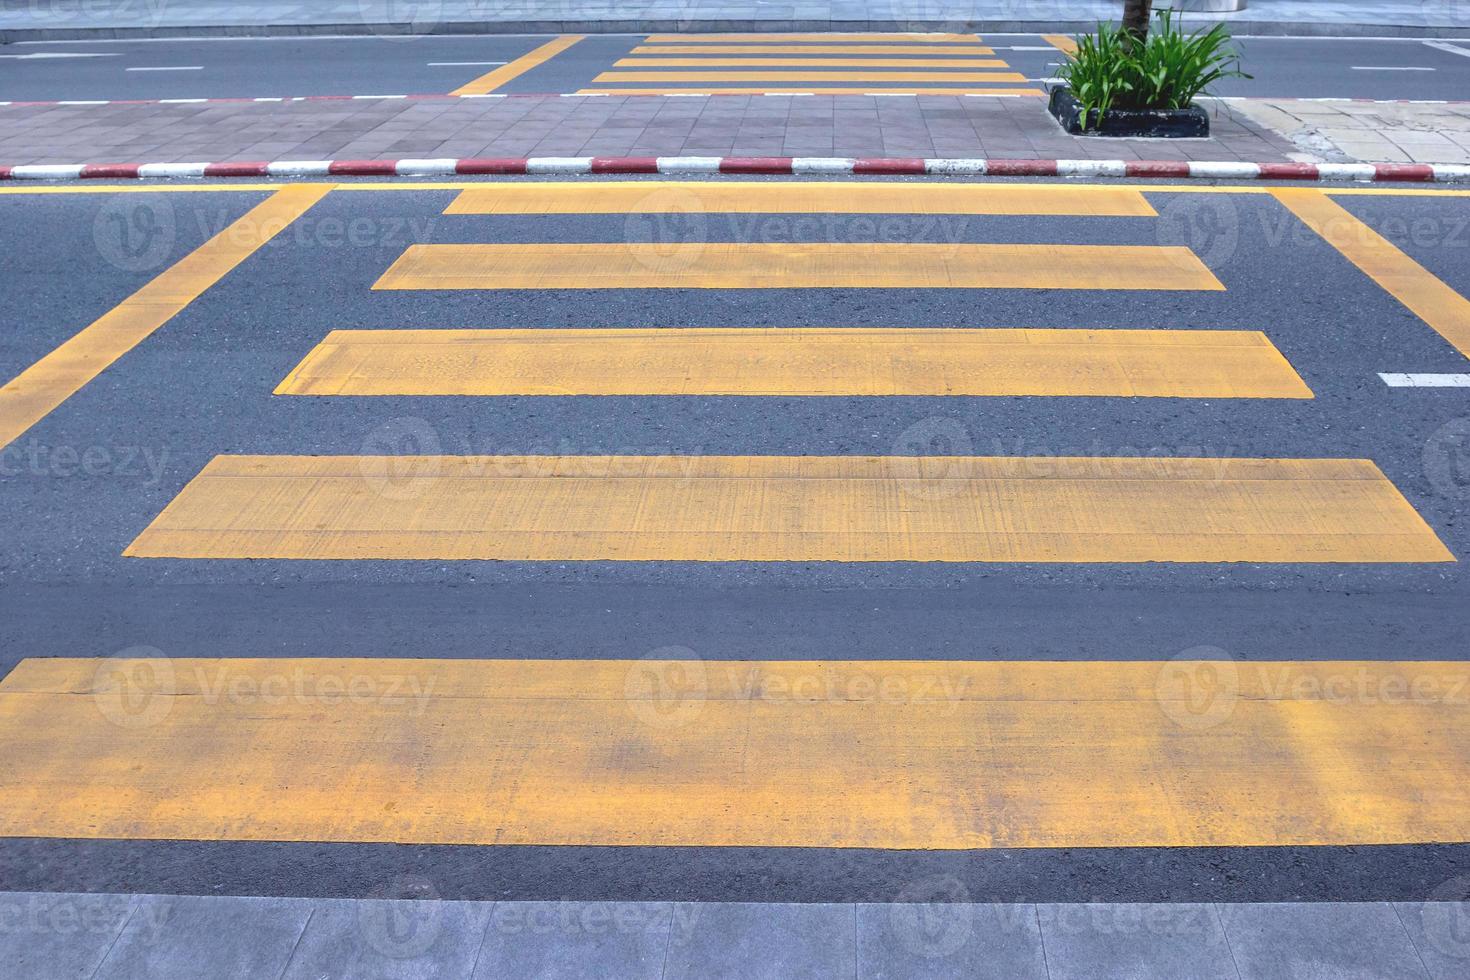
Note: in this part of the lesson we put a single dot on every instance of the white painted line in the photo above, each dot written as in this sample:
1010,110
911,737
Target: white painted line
180,101
46,171
822,165
172,170
1346,171
419,167
1426,380
1092,168
457,64
1390,68
169,68
82,102
559,165
269,99
298,168
1446,46
58,54
380,96
1025,47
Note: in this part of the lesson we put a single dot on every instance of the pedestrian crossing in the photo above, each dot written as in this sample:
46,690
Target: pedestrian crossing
896,754
811,64
714,508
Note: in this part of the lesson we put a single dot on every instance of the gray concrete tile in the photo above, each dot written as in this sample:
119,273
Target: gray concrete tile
184,937
390,940
1135,942
1440,931
46,936
1320,941
911,941
751,941
569,940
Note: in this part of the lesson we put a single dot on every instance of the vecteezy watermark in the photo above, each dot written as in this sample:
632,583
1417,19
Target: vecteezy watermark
136,13
932,916
1206,224
668,229
1196,921
577,919
136,232
1197,688
1447,459
930,457
134,688
138,687
667,688
400,458
1445,917
403,918
401,19
31,457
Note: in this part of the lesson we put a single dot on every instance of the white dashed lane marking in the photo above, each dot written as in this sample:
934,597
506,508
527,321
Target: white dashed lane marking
1426,380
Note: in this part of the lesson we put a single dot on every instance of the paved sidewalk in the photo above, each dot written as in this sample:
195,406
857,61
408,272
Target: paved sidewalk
844,126
48,936
1372,131
106,18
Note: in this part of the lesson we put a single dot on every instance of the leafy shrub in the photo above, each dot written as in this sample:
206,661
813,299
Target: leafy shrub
1113,69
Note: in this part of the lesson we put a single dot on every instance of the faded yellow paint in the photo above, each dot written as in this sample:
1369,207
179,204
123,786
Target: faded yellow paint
790,508
875,754
806,197
492,80
972,77
931,51
813,265
1404,279
812,37
813,90
809,63
1061,42
40,388
806,361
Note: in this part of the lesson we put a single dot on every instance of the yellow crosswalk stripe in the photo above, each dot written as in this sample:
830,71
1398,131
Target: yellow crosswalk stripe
795,89
790,508
1061,42
824,265
931,51
806,197
876,754
808,62
43,386
971,77
814,38
492,80
765,361
1425,294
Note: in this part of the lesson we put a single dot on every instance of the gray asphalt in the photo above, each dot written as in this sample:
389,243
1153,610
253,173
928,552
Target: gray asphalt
280,67
202,386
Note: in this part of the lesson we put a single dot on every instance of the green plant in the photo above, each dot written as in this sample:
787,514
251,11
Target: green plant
1113,69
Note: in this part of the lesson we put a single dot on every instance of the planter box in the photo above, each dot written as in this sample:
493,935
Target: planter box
1177,123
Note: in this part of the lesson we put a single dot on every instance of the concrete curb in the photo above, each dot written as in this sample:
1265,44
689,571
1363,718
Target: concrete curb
704,25
826,166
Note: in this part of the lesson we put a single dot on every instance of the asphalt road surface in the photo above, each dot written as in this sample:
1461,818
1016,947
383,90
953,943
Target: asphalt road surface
285,67
91,478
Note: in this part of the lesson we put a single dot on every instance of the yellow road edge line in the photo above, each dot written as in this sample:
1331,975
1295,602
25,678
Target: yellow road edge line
804,361
809,90
807,62
879,49
1421,291
791,508
903,755
1061,42
40,388
492,80
783,197
968,77
812,37
808,265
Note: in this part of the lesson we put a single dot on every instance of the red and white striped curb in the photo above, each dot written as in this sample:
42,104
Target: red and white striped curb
1423,172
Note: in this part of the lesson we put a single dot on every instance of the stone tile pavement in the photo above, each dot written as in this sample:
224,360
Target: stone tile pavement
161,937
730,125
1379,132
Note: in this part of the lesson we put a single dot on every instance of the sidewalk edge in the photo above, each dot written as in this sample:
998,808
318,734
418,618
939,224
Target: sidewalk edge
828,166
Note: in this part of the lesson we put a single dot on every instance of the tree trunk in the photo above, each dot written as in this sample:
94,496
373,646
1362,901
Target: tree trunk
1135,18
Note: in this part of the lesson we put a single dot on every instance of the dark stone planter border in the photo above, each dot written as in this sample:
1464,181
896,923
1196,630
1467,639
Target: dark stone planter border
1176,123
